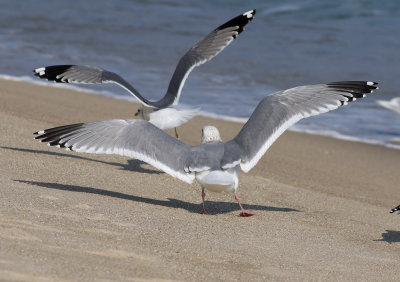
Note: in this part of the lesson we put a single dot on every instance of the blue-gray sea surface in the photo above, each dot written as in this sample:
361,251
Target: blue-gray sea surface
289,43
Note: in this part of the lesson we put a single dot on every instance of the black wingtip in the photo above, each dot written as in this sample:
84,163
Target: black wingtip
239,21
52,73
353,90
250,14
54,136
395,209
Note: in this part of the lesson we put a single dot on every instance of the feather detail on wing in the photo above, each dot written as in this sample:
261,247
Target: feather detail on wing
278,111
87,75
133,138
203,51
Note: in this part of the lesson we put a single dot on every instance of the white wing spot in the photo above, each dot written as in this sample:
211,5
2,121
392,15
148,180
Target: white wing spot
38,70
249,14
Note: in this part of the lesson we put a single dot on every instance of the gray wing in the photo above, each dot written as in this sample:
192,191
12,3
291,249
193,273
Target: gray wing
204,157
277,112
203,51
87,75
137,139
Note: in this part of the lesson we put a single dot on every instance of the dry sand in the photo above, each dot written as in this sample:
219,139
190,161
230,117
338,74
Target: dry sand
322,206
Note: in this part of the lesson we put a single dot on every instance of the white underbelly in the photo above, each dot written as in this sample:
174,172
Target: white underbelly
171,117
218,180
219,188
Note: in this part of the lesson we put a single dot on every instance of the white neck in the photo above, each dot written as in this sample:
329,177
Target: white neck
210,134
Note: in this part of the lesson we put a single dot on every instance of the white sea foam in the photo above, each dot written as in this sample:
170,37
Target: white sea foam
286,8
67,86
393,104
337,135
391,143
223,117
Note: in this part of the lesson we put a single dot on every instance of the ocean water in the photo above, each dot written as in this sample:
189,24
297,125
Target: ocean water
289,43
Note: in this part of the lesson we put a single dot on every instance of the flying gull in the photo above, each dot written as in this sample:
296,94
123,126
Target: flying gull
215,164
160,113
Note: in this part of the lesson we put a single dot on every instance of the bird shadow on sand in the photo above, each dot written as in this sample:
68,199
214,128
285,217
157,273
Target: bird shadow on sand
390,236
132,165
212,206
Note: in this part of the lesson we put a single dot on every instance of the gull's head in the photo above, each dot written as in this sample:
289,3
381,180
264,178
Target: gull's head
210,134
144,112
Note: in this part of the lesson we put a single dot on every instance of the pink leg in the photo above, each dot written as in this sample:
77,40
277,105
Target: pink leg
243,213
203,196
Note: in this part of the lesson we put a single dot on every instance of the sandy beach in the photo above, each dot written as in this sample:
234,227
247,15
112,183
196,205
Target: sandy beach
321,204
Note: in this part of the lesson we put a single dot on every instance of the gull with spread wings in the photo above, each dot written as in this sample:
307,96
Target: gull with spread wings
215,164
161,113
